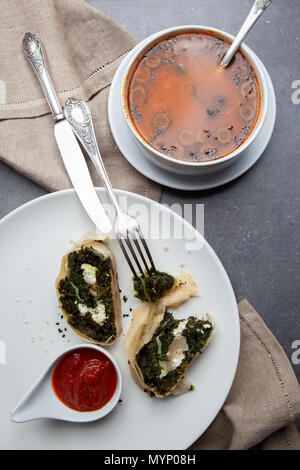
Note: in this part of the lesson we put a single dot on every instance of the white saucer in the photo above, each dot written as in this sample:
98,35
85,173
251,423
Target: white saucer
136,155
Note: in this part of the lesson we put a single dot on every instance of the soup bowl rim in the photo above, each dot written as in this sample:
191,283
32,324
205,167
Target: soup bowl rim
145,45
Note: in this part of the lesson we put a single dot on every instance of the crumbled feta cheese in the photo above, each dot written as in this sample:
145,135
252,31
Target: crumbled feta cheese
98,313
171,364
89,273
176,361
175,354
83,309
158,342
179,329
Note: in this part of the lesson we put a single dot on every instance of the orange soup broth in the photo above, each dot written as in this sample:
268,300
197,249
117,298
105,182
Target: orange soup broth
188,107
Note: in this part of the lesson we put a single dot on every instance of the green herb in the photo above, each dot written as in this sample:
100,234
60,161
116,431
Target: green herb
152,287
74,290
125,298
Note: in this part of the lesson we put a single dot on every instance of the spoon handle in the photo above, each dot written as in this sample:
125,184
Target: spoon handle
256,11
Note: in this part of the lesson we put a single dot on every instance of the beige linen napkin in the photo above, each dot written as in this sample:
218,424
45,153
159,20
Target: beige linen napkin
83,49
264,400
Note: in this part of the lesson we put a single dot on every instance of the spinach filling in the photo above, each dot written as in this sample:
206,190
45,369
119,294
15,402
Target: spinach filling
150,355
153,286
75,290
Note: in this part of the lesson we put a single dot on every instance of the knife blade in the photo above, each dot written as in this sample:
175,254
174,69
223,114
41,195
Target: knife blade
70,150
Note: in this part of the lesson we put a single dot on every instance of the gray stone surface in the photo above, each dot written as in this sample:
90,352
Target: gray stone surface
252,223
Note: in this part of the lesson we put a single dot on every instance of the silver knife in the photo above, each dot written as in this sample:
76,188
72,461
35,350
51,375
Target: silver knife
70,150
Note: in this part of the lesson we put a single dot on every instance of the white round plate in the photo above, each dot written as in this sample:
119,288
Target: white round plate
137,155
33,240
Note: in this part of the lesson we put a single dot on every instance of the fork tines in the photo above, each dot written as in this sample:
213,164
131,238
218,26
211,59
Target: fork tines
139,255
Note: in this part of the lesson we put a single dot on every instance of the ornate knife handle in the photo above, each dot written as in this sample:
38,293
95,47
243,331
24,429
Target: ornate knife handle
79,117
34,52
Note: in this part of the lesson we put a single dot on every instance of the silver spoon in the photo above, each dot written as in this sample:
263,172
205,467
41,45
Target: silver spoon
255,13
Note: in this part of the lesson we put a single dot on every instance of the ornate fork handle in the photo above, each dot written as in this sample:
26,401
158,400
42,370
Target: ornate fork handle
78,115
127,229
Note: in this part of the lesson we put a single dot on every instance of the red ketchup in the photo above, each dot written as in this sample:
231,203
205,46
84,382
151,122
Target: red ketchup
85,379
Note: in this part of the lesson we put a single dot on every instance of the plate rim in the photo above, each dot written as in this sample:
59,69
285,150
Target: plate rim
235,313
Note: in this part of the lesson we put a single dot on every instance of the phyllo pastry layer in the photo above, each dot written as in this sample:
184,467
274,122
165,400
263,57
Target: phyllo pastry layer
88,292
161,348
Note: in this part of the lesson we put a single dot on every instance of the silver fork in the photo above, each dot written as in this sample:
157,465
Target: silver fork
127,229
